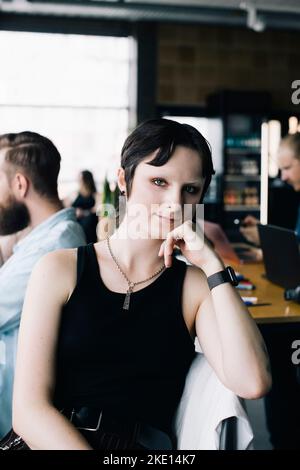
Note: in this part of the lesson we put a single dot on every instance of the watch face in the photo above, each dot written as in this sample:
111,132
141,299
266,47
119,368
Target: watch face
232,276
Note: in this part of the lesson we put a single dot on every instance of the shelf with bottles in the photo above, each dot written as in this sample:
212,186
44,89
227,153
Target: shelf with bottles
241,208
250,142
248,167
241,196
241,178
212,195
242,151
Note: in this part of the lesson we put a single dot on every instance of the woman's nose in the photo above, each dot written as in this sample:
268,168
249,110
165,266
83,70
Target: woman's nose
174,197
171,209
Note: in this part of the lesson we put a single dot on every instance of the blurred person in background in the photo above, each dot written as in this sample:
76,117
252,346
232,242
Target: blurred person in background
282,402
85,204
288,160
32,223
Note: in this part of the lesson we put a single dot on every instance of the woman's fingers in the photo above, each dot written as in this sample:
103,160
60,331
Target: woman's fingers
166,250
161,249
185,233
167,247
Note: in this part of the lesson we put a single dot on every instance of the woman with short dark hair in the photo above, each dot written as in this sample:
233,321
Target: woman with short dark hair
108,330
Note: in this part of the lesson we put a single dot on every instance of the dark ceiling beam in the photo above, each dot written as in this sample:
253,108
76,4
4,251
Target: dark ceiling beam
134,12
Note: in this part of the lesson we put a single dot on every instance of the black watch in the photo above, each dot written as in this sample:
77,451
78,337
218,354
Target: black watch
227,275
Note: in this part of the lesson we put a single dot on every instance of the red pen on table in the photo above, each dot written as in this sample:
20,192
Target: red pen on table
245,285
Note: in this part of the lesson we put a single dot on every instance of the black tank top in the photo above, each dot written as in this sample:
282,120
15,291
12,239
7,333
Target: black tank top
132,363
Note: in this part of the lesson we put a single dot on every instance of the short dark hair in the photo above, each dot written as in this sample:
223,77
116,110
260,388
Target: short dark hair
37,156
163,135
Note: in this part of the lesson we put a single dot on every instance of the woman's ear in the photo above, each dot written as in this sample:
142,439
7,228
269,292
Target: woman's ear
121,179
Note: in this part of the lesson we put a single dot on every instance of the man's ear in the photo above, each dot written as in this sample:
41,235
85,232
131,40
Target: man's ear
20,185
121,179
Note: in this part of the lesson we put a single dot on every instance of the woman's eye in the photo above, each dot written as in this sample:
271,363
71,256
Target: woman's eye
188,189
191,189
158,181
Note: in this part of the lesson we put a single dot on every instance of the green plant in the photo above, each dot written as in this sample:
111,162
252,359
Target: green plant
109,197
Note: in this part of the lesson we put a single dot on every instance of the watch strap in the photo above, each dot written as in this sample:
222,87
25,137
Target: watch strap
226,275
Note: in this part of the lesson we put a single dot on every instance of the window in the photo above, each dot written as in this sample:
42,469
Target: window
72,89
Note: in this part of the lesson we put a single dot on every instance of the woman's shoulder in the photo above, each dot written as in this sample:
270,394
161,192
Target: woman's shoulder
194,291
195,284
196,276
193,273
101,250
61,258
57,268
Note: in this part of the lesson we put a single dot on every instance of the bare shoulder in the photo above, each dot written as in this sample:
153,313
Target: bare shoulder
101,250
195,284
195,290
57,270
59,259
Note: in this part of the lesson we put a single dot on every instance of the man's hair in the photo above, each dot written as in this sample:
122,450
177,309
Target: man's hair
293,141
36,156
163,136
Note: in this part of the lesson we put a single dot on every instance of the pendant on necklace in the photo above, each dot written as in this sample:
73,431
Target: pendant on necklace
127,298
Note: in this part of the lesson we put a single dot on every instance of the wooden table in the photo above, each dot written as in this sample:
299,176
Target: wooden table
279,324
280,310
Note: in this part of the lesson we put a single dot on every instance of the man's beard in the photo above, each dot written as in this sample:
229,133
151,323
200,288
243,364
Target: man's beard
14,216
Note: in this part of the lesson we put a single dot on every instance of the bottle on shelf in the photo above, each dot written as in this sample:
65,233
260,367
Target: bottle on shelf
250,196
249,167
251,142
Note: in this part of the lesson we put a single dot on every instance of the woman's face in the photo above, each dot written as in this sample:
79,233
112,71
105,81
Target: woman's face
163,196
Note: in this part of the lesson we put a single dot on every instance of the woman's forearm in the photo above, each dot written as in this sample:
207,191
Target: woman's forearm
45,428
243,351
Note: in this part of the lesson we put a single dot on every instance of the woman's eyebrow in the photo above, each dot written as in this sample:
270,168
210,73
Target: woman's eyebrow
194,182
199,181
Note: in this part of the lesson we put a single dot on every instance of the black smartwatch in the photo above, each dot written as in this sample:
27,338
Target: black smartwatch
227,275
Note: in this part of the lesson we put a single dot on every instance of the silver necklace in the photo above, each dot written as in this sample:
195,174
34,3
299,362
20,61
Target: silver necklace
131,285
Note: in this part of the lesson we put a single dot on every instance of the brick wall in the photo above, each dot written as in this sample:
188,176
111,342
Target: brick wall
194,61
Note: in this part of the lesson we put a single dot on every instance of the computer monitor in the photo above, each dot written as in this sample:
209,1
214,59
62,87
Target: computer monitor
281,255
